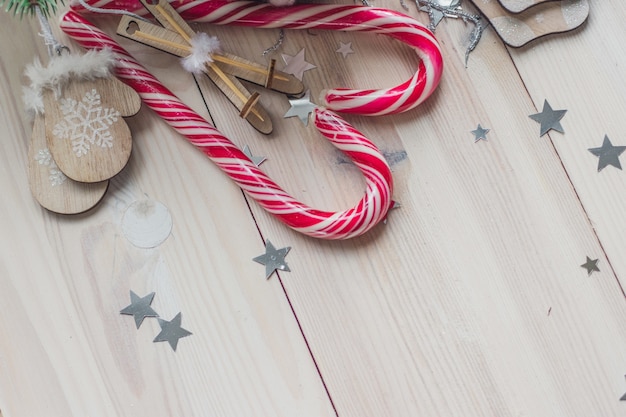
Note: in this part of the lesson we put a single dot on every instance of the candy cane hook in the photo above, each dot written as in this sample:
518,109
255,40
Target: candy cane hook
371,209
397,25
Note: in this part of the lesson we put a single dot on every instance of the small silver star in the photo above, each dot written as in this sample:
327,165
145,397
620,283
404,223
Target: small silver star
301,107
345,49
623,396
591,265
171,331
608,154
480,133
140,308
256,160
273,259
296,65
548,119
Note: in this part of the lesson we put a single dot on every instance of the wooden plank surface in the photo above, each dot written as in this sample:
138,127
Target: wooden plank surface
469,301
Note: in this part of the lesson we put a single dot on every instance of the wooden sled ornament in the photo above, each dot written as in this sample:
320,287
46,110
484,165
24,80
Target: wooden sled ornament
176,37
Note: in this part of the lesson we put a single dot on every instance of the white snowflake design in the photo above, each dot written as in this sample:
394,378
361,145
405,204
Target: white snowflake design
86,123
54,173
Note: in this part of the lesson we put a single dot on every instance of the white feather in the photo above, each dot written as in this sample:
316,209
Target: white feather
60,71
203,47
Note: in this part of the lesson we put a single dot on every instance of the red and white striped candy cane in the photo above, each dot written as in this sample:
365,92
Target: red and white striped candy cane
368,212
397,99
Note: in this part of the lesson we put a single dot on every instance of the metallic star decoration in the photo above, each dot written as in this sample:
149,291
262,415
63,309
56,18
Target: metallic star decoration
480,133
345,49
301,107
273,259
623,396
140,308
549,119
171,331
256,160
608,154
591,265
434,15
296,65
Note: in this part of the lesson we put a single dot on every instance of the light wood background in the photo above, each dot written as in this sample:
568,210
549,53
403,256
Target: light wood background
470,301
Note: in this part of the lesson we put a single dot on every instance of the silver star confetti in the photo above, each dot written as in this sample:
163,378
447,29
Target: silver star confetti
273,259
171,331
256,160
296,65
301,107
549,119
480,133
345,49
591,265
608,154
140,308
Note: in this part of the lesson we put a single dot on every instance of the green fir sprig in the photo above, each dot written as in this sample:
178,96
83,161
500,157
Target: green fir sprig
28,7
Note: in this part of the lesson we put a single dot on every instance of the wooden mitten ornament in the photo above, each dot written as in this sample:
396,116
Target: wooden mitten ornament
50,187
550,17
83,106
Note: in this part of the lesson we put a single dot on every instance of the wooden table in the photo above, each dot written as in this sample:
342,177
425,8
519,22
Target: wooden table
470,301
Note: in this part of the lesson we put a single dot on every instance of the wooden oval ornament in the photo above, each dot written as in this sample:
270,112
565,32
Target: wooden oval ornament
87,136
518,6
543,19
50,187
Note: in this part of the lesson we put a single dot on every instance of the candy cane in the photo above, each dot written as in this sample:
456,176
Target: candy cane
397,99
368,212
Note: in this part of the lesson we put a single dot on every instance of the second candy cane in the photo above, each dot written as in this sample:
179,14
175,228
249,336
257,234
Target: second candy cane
370,210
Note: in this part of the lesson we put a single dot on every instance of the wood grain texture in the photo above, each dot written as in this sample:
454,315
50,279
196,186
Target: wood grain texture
470,301
68,351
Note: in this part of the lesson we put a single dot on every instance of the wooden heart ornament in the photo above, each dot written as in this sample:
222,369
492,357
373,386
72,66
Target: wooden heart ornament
83,107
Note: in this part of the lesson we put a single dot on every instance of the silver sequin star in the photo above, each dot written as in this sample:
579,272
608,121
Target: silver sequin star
256,160
171,331
591,265
301,107
273,259
296,65
548,119
608,154
480,133
140,308
345,49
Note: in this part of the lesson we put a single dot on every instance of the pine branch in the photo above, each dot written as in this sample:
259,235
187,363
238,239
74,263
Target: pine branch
22,7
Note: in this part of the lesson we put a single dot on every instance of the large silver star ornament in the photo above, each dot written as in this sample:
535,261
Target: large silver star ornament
273,259
140,308
296,65
548,119
608,154
171,331
480,133
301,107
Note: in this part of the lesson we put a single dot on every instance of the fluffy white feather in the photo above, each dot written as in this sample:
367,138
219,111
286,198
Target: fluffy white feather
59,72
202,47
